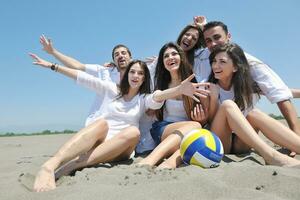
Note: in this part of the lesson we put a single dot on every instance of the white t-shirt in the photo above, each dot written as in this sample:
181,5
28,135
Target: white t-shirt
104,74
146,142
118,113
174,111
268,81
229,95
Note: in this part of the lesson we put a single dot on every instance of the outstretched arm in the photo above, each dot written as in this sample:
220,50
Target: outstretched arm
186,87
295,92
66,60
72,73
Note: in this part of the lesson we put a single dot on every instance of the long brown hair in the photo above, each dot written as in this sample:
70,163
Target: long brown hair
144,88
190,54
242,81
162,77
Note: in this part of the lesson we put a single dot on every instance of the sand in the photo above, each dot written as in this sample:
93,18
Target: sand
244,177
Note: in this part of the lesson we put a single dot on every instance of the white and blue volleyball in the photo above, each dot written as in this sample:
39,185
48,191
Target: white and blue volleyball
201,147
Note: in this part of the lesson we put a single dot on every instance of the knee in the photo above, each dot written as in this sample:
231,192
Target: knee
228,105
132,133
253,114
193,124
101,124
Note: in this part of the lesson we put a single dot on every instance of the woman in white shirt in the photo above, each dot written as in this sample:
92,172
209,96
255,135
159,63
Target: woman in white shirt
115,134
231,99
174,118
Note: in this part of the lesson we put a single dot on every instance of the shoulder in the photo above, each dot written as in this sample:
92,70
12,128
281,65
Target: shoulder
202,53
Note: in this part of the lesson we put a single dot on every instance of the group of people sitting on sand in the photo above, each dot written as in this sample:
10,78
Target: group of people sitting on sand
201,80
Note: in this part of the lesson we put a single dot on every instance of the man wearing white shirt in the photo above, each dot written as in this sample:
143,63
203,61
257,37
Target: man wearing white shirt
121,56
216,33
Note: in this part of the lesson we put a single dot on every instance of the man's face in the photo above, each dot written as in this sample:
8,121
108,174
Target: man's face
121,57
215,36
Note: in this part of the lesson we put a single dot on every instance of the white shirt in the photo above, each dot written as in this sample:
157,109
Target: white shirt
174,111
118,113
229,95
105,74
146,142
268,81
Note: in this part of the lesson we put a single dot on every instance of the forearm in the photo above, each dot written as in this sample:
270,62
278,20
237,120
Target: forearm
295,92
72,73
213,107
68,61
170,93
288,111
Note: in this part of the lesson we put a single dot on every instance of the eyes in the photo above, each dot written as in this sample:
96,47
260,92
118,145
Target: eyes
173,53
122,53
214,38
132,72
194,37
223,61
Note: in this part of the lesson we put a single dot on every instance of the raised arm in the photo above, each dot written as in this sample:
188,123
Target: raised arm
66,60
82,78
200,21
72,73
186,87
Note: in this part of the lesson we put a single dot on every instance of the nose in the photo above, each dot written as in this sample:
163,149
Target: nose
213,43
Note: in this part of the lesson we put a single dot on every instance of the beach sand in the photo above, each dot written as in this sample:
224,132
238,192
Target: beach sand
238,177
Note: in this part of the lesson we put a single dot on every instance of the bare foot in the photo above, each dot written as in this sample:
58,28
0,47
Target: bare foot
283,160
165,165
44,180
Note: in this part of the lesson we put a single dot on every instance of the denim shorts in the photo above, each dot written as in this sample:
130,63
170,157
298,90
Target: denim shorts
157,130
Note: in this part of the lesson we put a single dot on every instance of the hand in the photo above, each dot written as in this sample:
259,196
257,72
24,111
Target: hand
200,21
47,44
199,114
194,90
39,61
214,90
150,59
109,64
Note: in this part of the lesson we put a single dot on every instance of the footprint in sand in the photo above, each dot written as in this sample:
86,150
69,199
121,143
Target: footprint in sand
26,180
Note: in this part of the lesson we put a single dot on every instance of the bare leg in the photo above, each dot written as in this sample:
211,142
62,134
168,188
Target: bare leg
171,139
289,112
230,114
274,130
116,148
80,143
172,162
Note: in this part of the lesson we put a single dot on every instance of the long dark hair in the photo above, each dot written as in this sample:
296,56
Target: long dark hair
241,80
144,88
190,54
162,77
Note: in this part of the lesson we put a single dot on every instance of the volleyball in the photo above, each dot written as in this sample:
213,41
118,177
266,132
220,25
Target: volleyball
201,147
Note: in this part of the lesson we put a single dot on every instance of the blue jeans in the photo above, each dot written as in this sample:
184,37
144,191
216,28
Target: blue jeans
157,130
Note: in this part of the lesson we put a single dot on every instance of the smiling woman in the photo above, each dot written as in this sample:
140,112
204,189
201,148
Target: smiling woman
235,121
114,135
175,117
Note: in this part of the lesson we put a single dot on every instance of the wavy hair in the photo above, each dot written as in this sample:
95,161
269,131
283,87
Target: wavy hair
162,77
144,88
242,81
190,54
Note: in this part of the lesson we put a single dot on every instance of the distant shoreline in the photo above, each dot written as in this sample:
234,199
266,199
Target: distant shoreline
46,132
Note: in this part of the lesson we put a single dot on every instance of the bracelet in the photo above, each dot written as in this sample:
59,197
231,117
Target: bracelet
54,67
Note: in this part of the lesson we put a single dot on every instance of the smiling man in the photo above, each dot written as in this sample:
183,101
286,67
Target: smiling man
121,56
271,85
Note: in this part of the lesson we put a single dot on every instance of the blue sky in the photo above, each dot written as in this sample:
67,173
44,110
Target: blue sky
35,99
